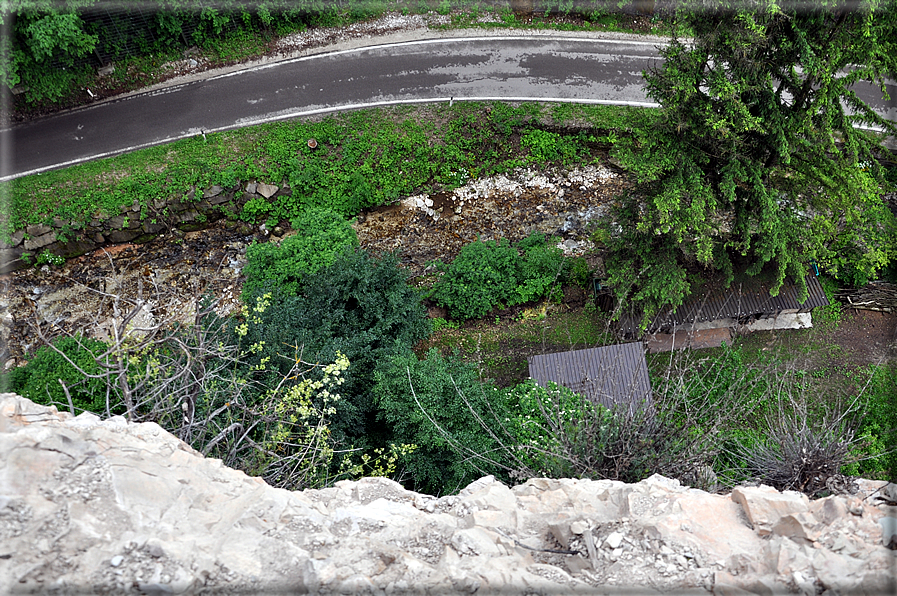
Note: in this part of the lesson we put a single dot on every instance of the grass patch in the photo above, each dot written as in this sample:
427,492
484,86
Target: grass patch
363,159
501,348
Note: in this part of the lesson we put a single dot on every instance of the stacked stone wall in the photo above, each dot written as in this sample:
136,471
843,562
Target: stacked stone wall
196,210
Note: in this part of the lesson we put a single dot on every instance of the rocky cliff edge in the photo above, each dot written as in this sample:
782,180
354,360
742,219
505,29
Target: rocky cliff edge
108,507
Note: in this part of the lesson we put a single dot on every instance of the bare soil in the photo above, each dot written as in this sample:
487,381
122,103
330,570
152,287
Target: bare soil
858,339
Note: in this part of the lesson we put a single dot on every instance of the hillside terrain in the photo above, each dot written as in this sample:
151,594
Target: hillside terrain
428,184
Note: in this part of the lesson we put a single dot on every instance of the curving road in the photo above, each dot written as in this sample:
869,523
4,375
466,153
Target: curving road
541,67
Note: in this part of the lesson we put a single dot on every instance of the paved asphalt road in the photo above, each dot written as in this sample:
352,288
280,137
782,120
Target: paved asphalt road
506,67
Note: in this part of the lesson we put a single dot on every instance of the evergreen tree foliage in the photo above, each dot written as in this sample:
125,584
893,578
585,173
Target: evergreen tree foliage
756,160
359,306
439,405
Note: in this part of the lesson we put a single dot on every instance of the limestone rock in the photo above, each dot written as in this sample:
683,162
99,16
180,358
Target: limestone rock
797,526
764,505
109,507
266,190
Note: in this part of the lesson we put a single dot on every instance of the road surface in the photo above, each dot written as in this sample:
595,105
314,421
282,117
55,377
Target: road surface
543,67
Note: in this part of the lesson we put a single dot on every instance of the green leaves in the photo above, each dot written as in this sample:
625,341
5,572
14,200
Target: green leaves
58,34
487,274
39,380
358,305
755,155
435,404
320,236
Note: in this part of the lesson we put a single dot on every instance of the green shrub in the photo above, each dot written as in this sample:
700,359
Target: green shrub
578,272
539,413
488,274
320,235
541,269
39,379
434,404
546,146
482,276
360,306
832,312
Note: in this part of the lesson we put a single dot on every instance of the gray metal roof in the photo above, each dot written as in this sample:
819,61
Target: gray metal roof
609,375
739,300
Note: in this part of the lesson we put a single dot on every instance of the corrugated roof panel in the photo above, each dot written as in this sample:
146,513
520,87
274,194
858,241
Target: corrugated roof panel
607,375
739,300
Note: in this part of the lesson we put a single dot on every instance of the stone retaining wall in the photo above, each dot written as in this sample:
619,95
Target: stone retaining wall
194,211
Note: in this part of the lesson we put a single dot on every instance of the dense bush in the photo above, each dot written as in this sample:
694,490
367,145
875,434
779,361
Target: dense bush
544,416
438,404
493,273
717,421
877,433
560,434
483,275
46,46
541,269
39,379
360,306
547,146
320,235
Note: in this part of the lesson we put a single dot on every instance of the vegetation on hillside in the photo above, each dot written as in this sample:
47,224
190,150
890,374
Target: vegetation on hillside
324,374
363,159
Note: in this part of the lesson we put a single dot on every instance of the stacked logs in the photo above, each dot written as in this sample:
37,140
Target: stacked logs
878,295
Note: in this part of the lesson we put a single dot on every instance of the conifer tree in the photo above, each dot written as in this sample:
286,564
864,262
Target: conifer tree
763,155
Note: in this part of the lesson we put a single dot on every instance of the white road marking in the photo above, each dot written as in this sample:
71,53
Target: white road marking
301,113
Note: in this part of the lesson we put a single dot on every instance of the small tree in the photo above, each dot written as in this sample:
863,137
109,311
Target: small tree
360,306
45,36
439,405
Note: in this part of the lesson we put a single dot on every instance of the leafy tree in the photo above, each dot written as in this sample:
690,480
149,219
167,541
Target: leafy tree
755,160
45,43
